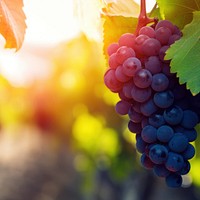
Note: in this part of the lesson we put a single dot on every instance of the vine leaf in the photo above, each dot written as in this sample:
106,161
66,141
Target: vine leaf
128,8
180,12
12,23
185,55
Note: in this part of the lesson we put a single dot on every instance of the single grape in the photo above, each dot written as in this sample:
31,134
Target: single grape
174,162
165,133
165,23
163,34
131,66
134,127
174,180
151,47
139,40
178,143
120,75
148,108
191,134
142,78
164,99
147,30
124,53
185,169
173,115
113,64
112,48
122,107
141,95
190,119
160,82
111,81
127,39
153,64
149,134
189,152
156,120
158,154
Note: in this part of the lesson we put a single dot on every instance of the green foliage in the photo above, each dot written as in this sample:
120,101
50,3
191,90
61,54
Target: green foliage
178,11
185,55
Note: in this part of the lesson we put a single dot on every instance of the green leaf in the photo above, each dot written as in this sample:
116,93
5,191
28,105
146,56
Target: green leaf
185,55
178,11
114,27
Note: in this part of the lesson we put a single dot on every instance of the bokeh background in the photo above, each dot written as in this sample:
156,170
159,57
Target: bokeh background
60,137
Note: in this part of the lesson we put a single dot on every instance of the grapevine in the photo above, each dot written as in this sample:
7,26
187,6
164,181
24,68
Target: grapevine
162,112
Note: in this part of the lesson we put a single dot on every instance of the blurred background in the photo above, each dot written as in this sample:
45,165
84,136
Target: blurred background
60,138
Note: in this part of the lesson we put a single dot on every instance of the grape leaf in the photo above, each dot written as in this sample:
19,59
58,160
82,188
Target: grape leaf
127,8
185,55
115,26
180,12
12,23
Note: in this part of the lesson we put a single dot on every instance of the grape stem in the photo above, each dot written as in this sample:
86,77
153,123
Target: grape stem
143,19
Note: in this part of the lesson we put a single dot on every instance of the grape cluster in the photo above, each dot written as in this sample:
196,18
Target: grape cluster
162,112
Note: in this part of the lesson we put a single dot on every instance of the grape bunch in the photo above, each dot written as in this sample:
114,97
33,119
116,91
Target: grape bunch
162,112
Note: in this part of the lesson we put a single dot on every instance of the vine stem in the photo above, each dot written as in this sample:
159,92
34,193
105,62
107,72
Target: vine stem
143,19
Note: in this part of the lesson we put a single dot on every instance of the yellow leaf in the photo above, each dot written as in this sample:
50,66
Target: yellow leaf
12,23
127,8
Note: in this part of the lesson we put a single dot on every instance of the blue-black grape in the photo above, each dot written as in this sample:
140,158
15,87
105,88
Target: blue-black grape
165,133
174,180
158,154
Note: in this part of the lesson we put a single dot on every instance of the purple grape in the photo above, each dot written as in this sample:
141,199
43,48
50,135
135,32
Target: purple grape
160,82
153,64
147,30
120,76
140,95
135,116
163,34
142,78
131,66
111,81
134,127
151,47
122,107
